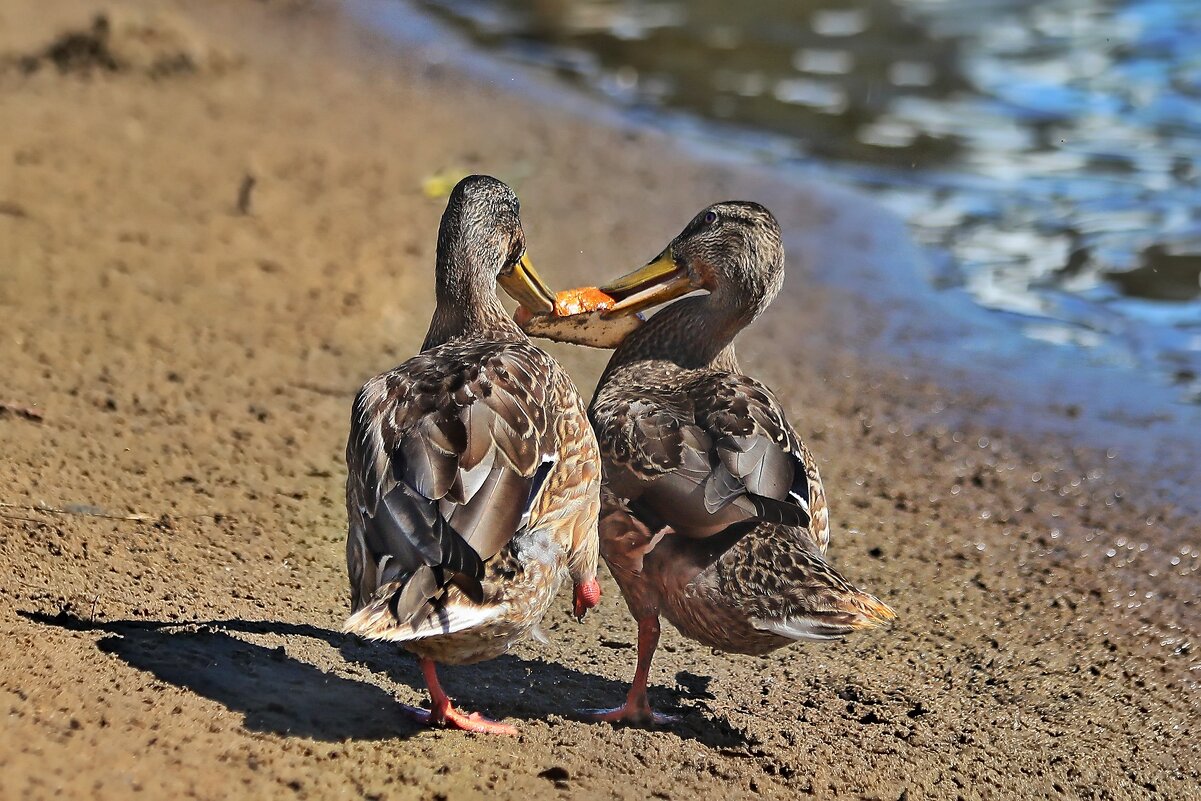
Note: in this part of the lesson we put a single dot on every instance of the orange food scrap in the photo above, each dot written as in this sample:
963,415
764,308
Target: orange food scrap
581,300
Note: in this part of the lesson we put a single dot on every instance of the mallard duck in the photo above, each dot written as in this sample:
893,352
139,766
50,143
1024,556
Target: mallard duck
713,511
474,478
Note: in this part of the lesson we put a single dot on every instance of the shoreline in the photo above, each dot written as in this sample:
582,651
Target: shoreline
195,365
1035,388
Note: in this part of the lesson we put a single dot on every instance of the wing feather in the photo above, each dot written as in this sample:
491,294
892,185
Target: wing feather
445,457
701,450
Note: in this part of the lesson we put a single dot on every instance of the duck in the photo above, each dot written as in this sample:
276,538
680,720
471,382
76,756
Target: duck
713,511
473,474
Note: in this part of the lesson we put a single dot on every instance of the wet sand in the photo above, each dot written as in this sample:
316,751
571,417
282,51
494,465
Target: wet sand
175,359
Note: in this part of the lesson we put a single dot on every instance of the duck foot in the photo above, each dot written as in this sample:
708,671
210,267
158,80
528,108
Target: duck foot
446,715
637,708
634,714
443,712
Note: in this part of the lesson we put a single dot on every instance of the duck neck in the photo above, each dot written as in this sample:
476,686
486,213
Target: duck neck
467,309
694,333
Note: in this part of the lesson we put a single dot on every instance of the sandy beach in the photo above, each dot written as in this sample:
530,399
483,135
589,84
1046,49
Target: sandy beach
214,226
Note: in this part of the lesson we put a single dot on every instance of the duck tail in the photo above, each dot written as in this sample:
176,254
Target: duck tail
389,613
372,622
416,609
825,607
870,612
857,613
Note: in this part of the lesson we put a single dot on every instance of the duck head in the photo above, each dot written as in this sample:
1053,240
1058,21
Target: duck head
481,244
731,250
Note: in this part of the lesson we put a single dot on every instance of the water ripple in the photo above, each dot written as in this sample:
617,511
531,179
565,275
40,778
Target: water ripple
1048,152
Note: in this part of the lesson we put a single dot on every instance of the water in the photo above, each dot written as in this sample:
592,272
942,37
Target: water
1047,152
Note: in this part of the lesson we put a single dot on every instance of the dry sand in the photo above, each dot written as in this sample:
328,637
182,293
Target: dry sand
169,357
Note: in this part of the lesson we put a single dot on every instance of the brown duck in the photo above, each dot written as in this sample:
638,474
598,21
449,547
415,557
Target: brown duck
713,512
474,480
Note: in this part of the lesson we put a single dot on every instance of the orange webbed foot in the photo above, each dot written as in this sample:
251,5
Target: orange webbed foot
452,718
633,714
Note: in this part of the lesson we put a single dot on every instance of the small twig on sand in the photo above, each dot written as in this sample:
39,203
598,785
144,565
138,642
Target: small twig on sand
20,410
22,518
136,518
10,209
92,616
320,390
83,510
245,190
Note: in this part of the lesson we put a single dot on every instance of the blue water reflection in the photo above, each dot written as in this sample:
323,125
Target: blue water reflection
1047,151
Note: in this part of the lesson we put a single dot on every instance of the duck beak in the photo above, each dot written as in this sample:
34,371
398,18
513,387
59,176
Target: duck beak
524,285
658,282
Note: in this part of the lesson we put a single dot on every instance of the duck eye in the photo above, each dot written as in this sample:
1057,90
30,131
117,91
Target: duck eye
516,251
710,217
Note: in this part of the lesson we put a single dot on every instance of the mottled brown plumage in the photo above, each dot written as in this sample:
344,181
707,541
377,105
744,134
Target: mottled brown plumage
713,513
473,476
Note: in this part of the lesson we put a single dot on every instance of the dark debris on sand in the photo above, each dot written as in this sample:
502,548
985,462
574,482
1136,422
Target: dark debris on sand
157,47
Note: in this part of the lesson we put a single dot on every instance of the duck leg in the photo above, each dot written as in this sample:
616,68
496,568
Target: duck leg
637,708
443,713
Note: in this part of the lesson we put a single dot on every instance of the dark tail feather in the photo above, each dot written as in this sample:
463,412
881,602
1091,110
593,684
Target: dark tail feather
458,556
423,585
470,586
394,605
769,510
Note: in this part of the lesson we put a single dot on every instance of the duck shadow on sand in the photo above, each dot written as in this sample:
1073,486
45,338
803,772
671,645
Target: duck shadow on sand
280,694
